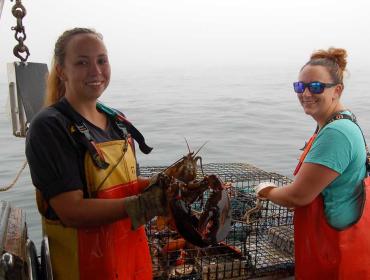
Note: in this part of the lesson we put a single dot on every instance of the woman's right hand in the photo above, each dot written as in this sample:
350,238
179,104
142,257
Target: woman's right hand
150,203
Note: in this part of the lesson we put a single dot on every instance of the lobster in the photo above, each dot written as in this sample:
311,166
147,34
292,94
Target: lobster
199,228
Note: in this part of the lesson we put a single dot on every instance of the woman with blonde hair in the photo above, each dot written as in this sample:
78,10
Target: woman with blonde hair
332,215
83,165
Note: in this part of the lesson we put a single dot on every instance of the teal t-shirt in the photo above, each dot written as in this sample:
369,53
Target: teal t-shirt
340,147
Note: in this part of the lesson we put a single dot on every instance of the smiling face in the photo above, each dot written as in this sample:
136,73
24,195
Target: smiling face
319,106
86,69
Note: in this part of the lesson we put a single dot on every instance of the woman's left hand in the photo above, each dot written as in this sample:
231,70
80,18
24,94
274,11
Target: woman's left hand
263,189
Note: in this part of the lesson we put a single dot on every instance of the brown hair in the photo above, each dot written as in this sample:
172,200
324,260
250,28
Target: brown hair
55,88
335,60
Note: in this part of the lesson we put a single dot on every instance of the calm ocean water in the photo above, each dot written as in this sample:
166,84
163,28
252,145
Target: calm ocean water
246,114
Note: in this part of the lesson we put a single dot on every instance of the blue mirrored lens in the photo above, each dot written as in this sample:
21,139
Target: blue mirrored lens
316,87
299,87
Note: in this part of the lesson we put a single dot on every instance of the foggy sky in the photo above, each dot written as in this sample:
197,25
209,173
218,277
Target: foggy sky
142,34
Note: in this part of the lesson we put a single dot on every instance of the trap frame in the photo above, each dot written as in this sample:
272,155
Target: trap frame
262,247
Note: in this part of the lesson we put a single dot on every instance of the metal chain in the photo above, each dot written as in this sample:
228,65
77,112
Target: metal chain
3,189
19,12
1,7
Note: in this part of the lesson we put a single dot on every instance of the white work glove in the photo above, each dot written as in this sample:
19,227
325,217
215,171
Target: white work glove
258,189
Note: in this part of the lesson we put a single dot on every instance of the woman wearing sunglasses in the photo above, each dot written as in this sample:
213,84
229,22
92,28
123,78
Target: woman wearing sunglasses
331,220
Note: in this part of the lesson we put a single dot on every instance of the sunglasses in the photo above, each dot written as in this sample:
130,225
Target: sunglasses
313,87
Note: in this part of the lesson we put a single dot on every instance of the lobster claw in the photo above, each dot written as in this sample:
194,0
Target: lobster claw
215,220
214,182
211,227
186,223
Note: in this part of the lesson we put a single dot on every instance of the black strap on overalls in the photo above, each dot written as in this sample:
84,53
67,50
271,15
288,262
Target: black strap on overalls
84,137
352,118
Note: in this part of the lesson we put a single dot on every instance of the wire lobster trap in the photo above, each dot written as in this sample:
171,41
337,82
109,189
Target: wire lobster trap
260,242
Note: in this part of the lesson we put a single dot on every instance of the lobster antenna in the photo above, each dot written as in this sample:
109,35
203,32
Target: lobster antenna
200,148
187,144
177,161
168,167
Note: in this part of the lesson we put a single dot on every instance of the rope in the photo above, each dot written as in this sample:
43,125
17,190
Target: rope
3,189
247,215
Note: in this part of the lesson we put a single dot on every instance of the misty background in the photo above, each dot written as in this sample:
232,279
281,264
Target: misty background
184,67
142,34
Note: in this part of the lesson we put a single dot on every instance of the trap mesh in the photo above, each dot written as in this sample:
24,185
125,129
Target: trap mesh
260,246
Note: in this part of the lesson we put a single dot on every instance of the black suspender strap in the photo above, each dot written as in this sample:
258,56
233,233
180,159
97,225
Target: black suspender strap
87,141
352,118
126,126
